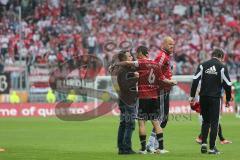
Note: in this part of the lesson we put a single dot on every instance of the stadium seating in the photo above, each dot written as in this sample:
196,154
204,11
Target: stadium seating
55,31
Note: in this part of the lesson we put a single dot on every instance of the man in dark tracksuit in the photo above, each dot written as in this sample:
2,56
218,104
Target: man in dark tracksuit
214,76
127,79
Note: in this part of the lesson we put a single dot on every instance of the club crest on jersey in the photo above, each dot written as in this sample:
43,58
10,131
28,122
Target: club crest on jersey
211,70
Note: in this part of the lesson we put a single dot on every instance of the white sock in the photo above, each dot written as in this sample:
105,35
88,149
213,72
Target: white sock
151,140
156,144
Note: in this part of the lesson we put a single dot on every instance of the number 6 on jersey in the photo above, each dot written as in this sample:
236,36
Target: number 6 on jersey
151,77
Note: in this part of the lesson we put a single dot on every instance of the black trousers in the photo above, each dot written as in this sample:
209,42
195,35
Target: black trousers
220,133
166,110
210,107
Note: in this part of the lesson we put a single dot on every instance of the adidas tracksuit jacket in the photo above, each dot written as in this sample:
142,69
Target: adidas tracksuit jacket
214,76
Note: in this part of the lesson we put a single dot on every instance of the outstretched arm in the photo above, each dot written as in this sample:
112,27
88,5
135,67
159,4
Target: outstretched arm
123,63
127,63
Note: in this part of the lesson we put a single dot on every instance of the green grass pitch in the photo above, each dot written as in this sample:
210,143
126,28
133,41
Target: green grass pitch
53,139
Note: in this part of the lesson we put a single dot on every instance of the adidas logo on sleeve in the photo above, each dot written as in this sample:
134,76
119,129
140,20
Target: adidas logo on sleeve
211,70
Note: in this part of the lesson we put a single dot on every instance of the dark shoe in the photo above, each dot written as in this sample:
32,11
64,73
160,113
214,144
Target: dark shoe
214,151
204,148
130,152
121,152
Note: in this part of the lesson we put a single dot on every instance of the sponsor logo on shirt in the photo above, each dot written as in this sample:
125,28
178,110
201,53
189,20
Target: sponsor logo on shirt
211,70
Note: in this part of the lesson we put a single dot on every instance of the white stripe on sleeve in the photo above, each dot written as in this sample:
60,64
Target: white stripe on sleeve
199,73
223,76
162,59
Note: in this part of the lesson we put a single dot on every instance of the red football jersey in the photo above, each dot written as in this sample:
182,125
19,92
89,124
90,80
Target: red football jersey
149,78
163,59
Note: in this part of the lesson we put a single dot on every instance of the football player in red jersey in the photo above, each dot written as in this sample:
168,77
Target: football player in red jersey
163,59
149,83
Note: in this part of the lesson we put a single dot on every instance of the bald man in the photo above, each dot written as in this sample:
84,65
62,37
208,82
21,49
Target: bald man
163,59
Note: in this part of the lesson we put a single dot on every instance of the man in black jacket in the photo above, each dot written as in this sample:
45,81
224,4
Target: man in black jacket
214,76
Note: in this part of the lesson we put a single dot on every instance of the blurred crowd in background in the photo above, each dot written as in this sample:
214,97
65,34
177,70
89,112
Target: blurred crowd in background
49,32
